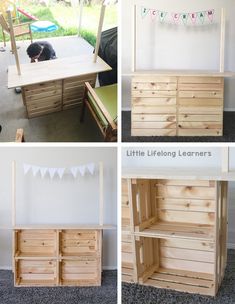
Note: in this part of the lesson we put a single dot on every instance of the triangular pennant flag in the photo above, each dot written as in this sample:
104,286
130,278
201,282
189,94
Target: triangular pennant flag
176,17
210,14
184,18
82,170
43,171
193,17
35,170
153,14
60,172
144,11
52,172
26,168
74,171
201,16
162,16
91,168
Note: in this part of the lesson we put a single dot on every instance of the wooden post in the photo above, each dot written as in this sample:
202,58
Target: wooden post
13,193
101,195
225,159
102,12
13,41
222,39
80,17
134,39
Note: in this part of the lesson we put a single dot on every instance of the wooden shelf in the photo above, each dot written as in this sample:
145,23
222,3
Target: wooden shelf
179,230
193,282
190,73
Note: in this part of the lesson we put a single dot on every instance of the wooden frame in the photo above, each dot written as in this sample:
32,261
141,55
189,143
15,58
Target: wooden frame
222,38
109,133
177,103
57,255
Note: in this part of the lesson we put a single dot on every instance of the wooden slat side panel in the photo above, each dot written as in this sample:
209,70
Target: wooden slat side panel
153,118
182,202
36,242
79,242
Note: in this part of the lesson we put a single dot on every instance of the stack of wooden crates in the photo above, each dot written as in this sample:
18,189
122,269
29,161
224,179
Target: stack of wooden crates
57,257
174,104
174,233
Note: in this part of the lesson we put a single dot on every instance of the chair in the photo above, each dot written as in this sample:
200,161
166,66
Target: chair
20,29
102,103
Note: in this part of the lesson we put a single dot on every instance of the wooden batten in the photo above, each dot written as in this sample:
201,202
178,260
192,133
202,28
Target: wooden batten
98,37
222,39
13,42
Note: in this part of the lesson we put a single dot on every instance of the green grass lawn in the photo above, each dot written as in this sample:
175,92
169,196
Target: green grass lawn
67,19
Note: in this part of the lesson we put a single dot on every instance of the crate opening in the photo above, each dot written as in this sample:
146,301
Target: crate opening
35,272
35,243
79,242
174,208
179,264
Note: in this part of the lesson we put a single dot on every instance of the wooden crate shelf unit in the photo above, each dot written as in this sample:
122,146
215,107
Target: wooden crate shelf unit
57,257
176,233
177,105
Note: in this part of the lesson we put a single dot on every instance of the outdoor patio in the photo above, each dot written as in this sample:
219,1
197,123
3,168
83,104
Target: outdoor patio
62,126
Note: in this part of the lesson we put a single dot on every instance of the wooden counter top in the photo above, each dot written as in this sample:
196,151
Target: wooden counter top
192,73
178,173
63,226
40,72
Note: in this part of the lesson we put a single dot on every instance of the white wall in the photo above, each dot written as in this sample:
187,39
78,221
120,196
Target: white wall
66,201
166,46
212,159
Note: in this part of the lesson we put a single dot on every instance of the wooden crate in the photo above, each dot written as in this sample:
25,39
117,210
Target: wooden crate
43,98
54,96
73,89
179,229
54,257
177,105
154,106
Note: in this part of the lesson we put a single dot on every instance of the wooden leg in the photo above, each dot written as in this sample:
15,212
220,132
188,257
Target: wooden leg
30,34
4,38
83,105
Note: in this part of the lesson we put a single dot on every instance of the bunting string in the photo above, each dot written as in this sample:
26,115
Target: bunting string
185,18
43,172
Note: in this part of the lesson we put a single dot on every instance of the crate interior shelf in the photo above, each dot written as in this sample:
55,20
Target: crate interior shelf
174,230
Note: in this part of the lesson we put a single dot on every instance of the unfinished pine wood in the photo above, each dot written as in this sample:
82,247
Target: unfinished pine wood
127,239
179,231
164,105
55,85
57,257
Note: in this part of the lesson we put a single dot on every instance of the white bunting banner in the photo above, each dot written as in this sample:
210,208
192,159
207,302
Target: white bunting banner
35,170
27,168
91,168
60,172
43,171
74,171
82,170
185,18
52,172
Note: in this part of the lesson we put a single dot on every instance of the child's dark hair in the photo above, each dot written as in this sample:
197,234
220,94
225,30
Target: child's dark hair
34,49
